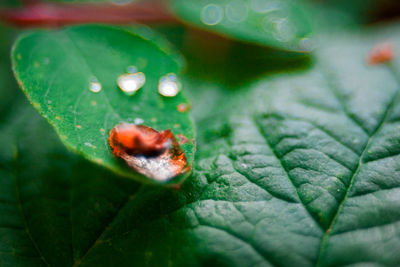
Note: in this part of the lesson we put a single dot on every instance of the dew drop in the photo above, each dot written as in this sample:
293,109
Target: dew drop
169,85
94,85
236,11
154,154
132,69
132,82
212,14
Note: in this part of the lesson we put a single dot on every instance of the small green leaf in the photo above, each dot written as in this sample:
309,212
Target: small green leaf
281,24
62,71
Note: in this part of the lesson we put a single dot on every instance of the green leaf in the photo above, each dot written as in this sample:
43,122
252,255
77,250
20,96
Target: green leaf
8,92
55,69
280,24
295,169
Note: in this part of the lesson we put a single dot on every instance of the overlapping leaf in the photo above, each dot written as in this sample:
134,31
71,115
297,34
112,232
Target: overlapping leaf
56,69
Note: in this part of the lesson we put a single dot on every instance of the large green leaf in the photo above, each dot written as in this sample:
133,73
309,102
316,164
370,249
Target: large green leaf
296,169
8,92
55,68
280,24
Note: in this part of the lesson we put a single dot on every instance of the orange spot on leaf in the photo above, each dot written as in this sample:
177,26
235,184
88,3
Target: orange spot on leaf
380,53
183,107
147,151
182,139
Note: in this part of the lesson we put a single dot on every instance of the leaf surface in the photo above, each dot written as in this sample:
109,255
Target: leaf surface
280,24
56,68
295,169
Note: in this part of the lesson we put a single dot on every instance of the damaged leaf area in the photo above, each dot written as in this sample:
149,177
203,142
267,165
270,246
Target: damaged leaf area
154,154
72,77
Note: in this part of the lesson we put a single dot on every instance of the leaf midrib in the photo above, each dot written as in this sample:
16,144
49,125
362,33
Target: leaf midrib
284,168
355,173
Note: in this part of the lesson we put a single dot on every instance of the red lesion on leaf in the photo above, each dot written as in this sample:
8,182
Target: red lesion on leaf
147,151
381,53
182,139
138,140
183,107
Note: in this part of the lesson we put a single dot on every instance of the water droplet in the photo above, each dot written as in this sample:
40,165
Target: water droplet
154,154
132,82
169,85
236,11
94,85
138,121
46,60
212,14
132,69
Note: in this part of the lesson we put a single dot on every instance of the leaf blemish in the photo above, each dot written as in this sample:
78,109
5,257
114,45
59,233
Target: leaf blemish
182,139
380,53
154,154
183,107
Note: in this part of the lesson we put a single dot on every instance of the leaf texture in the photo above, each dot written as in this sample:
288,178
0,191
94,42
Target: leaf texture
295,169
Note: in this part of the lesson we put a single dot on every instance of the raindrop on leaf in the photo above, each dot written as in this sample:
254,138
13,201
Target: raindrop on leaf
94,85
169,85
131,83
